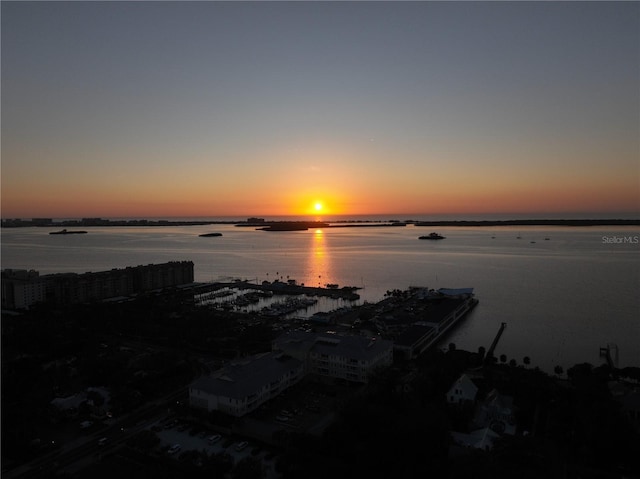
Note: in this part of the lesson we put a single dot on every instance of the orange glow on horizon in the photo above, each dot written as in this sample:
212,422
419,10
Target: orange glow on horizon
315,204
324,202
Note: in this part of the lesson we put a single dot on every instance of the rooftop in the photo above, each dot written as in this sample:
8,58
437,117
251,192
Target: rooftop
240,379
357,347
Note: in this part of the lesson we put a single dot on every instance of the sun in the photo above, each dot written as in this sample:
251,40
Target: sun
317,206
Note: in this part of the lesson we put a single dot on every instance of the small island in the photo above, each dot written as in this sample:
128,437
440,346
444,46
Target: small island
209,235
293,225
432,236
67,232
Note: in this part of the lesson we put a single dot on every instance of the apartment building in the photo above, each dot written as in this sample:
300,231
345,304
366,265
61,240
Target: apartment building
353,358
241,387
22,289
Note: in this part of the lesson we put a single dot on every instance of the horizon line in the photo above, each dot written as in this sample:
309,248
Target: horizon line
461,217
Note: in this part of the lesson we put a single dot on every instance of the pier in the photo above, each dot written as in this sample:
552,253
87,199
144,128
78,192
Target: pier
610,352
492,348
420,321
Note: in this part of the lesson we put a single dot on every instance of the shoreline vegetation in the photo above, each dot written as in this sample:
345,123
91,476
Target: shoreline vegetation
262,224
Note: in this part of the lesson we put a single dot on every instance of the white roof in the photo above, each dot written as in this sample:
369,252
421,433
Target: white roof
466,384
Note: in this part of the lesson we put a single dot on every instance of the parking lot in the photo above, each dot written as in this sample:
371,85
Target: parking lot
307,407
174,433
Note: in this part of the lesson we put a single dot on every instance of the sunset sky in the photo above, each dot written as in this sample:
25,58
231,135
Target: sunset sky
165,109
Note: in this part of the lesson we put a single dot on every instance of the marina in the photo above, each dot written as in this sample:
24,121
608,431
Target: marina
553,294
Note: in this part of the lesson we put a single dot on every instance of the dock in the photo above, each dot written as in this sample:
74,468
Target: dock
347,293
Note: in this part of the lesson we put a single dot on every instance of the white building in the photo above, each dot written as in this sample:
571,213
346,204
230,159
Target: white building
353,358
462,391
241,387
22,289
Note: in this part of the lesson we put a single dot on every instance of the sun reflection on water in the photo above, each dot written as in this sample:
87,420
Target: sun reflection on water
319,267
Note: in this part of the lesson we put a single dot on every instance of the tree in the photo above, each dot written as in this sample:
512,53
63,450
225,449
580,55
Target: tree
513,363
503,358
526,360
247,468
95,397
558,370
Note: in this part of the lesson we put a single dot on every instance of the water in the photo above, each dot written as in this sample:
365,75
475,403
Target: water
562,298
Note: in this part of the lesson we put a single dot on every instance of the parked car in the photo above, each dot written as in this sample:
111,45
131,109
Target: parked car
214,438
86,424
175,448
102,441
241,445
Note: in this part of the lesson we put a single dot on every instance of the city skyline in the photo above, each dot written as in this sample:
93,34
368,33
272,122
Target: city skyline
204,109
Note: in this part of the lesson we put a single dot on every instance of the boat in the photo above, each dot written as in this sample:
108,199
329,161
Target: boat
432,236
207,235
66,232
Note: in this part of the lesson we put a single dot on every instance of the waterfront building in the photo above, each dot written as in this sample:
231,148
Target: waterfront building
158,276
242,386
72,288
421,320
22,289
415,339
353,358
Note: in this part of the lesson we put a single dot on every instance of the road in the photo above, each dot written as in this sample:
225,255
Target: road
73,457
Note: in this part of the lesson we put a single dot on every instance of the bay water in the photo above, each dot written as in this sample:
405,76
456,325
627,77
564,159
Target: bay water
564,292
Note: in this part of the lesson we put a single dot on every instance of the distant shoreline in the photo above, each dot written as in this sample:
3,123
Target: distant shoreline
532,223
282,225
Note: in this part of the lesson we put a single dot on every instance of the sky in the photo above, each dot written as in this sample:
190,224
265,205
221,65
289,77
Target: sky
167,109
